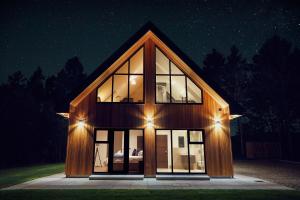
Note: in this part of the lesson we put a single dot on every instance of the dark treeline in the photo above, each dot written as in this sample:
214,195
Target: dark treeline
31,131
266,87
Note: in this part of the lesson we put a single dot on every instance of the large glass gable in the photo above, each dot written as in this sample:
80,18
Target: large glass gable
172,85
127,83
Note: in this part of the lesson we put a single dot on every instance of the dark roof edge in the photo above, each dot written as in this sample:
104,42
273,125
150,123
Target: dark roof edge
235,108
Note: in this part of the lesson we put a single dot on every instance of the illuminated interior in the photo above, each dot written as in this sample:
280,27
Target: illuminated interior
127,83
172,85
178,153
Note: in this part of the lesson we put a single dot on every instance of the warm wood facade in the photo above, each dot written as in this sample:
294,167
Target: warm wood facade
218,155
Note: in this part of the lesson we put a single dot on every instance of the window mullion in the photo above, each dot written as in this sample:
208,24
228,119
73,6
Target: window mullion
186,92
128,80
170,81
112,88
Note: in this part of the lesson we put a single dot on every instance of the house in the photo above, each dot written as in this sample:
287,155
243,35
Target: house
149,110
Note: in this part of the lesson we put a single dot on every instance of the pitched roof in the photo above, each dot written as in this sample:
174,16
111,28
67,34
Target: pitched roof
235,108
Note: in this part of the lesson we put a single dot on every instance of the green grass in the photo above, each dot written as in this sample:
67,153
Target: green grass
15,176
149,194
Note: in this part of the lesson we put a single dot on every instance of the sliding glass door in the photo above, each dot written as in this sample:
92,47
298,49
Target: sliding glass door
118,151
180,151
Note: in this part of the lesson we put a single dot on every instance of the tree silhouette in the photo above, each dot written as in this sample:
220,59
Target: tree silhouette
214,66
272,90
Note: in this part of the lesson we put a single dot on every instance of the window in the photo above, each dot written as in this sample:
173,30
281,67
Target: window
101,151
136,151
172,85
180,151
127,83
119,151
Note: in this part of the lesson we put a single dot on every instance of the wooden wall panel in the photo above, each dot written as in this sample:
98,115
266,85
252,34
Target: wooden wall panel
80,139
169,116
150,159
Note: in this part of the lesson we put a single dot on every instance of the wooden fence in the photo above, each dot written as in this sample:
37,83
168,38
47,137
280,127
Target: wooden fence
262,150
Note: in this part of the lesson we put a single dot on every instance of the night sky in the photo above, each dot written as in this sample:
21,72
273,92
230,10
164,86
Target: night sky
48,33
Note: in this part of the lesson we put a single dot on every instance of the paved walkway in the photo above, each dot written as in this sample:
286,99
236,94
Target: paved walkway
58,181
283,173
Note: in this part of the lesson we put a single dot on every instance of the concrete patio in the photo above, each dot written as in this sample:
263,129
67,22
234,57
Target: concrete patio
58,181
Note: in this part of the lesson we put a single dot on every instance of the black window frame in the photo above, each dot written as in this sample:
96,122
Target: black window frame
188,147
110,142
128,80
169,74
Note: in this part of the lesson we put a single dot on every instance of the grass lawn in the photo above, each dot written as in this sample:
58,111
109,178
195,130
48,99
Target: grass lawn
149,194
15,176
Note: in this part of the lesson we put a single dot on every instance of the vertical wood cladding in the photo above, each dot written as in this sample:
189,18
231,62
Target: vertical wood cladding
169,116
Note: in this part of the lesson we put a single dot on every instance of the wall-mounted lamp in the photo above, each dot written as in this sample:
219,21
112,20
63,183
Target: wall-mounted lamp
149,122
217,123
81,123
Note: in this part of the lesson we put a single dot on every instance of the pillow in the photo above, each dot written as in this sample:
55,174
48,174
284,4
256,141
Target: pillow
140,153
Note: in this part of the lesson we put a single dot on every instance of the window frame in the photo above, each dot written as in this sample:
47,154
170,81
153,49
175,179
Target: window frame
188,147
186,88
128,80
110,148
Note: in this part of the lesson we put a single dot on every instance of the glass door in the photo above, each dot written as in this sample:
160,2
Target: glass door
101,152
119,151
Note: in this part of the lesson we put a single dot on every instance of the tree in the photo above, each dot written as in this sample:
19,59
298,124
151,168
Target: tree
214,66
59,87
272,90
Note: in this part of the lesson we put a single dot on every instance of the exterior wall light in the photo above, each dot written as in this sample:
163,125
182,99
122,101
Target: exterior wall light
149,122
218,123
81,123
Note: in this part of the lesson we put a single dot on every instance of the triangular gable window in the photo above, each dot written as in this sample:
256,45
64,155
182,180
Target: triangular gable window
127,83
172,85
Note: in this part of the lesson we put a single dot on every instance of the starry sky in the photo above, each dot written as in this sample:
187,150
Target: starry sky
47,33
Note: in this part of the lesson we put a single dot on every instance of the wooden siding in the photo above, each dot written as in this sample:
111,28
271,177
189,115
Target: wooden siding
169,116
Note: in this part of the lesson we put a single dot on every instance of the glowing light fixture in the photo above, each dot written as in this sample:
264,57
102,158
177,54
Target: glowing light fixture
81,123
218,123
149,122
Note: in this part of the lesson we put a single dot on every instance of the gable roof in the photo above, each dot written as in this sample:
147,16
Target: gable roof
235,108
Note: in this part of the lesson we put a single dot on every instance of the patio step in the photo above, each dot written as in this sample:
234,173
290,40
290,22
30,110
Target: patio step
116,177
182,177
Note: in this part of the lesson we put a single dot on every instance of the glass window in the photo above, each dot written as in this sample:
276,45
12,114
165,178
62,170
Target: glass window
183,90
122,79
101,157
162,63
176,154
136,154
104,92
178,89
118,153
120,93
163,151
194,93
196,136
123,69
180,151
136,85
197,162
101,135
175,70
136,62
162,89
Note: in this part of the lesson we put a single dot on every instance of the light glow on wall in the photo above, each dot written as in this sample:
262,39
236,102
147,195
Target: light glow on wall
81,123
149,121
218,123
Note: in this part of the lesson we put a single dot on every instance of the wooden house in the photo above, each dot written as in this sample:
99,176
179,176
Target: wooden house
148,109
